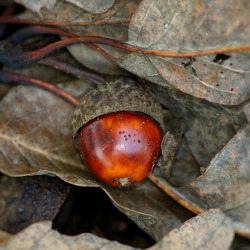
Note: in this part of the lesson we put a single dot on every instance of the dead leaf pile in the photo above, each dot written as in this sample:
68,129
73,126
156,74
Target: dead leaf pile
209,96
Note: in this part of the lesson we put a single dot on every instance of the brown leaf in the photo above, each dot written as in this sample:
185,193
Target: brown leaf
94,6
120,12
247,111
37,5
210,228
185,167
189,25
210,126
149,208
41,236
170,145
225,183
26,200
35,134
204,79
192,26
241,219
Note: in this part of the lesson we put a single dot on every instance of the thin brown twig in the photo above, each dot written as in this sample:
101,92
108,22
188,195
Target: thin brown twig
29,57
9,77
79,72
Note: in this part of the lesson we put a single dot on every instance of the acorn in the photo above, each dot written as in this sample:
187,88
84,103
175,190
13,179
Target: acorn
117,129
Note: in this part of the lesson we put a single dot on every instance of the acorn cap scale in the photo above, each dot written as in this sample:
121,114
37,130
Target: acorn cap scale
123,94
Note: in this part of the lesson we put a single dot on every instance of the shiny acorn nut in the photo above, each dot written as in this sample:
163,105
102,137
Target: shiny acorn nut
118,131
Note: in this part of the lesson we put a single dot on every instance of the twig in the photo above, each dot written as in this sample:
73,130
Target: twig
28,57
81,73
9,77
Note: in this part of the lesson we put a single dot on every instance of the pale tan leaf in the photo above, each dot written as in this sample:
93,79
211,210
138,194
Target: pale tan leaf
35,136
209,126
240,217
224,184
191,26
94,6
37,5
42,236
226,181
210,230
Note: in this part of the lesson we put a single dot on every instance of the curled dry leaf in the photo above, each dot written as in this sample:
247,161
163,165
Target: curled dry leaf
117,28
192,26
200,232
41,236
170,145
241,219
37,5
185,167
29,142
247,111
209,126
94,6
24,201
70,15
149,208
210,230
225,183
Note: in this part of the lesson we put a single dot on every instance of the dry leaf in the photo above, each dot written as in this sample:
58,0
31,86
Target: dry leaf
29,142
210,230
36,5
185,167
113,23
120,12
200,232
224,184
241,219
24,201
188,26
247,111
41,236
226,181
194,89
149,208
94,6
209,126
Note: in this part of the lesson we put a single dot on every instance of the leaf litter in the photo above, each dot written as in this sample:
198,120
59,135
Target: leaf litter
208,92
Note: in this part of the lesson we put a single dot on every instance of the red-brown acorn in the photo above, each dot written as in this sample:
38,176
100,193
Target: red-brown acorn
118,131
120,148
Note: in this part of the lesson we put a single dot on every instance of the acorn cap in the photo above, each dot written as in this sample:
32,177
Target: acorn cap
123,94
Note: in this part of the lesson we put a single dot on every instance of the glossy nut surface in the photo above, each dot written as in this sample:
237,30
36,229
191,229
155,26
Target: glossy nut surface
120,148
